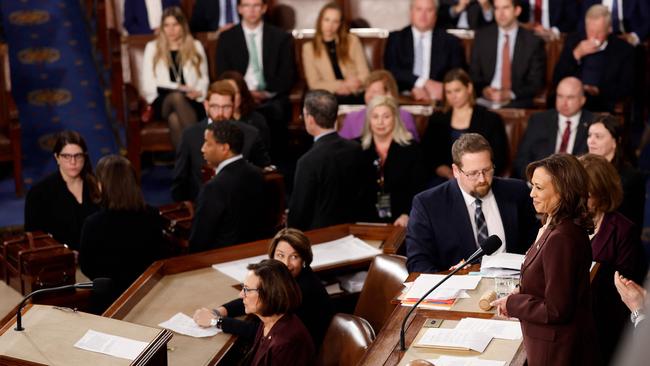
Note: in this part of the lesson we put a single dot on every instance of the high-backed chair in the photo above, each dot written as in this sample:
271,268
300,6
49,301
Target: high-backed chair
10,146
386,275
387,14
515,121
346,341
141,135
302,13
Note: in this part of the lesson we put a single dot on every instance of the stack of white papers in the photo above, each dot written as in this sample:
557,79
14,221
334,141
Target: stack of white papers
454,339
503,260
464,361
111,345
346,249
183,324
502,329
451,287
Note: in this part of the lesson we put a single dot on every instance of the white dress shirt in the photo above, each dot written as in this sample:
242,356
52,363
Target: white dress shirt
426,54
491,214
496,79
250,77
546,15
226,162
316,138
222,12
154,12
561,126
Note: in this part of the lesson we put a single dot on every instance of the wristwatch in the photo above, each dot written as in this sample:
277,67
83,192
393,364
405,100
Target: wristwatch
216,322
635,316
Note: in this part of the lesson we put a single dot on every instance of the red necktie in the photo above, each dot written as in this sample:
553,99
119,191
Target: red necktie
538,11
565,137
506,81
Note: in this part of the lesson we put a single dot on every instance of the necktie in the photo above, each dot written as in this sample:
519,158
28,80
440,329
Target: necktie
538,11
565,137
229,17
481,226
616,26
418,63
506,81
255,61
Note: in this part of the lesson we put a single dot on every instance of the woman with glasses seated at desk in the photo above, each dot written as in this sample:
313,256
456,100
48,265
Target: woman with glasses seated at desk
60,203
291,247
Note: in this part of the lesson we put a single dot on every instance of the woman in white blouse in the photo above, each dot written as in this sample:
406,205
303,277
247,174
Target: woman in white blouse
174,76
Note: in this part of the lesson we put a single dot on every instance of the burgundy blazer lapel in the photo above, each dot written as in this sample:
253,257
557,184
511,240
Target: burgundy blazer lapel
535,249
602,238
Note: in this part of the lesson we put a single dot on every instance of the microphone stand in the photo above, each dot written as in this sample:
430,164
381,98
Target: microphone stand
19,318
402,331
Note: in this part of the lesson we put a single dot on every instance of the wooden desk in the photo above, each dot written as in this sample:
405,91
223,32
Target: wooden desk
386,351
188,282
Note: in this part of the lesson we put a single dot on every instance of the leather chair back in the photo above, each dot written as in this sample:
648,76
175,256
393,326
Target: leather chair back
385,277
10,140
296,13
346,341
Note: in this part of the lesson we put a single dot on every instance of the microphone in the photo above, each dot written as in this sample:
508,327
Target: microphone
99,285
487,247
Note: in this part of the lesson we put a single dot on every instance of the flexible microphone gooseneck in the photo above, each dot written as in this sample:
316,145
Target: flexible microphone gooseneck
99,285
489,246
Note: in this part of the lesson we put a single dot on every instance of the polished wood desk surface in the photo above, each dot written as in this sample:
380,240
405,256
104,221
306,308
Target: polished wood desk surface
186,283
385,349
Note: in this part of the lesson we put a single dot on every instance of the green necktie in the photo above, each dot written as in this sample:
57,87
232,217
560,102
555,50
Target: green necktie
255,61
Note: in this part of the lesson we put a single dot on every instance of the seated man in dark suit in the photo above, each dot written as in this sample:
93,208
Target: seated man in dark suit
218,105
229,205
465,14
262,53
563,129
328,184
600,59
630,18
508,62
420,54
449,221
214,15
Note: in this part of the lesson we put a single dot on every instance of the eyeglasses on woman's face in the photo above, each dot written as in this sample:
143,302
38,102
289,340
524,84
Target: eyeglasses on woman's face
246,290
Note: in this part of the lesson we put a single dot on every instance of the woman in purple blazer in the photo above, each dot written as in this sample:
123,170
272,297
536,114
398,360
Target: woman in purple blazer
616,245
553,302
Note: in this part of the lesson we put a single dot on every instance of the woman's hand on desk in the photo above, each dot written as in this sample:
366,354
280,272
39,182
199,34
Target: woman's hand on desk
500,304
402,220
203,317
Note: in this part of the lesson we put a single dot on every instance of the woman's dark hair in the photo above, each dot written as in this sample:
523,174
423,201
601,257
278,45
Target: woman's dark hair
247,102
118,184
605,186
462,77
68,137
278,291
298,241
615,128
570,181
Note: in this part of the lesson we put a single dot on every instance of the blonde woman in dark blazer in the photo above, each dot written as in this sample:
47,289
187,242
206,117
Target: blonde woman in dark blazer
334,60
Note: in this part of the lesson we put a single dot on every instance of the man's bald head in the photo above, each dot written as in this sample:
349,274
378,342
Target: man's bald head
570,96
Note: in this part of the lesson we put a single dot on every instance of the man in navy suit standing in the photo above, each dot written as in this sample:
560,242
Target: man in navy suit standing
420,54
449,221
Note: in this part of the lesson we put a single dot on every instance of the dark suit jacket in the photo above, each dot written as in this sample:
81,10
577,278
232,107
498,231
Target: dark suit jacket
437,139
528,62
563,14
634,183
228,208
136,20
328,184
277,56
554,303
403,177
446,54
440,234
617,247
474,10
540,139
616,81
187,168
636,16
205,16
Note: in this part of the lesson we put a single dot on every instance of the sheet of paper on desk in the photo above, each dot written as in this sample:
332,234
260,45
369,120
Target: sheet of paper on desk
346,249
112,345
237,269
464,361
183,324
454,339
503,260
503,329
424,282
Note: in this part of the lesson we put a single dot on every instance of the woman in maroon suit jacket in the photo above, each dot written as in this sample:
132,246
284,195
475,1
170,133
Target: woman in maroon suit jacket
616,245
553,302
